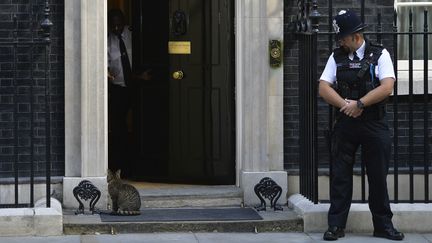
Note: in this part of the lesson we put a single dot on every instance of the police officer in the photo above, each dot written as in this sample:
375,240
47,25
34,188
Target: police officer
364,76
122,88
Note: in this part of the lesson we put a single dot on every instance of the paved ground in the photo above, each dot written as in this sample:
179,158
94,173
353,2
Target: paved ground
208,238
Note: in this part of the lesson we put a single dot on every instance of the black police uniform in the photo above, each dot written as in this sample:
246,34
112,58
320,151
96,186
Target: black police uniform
370,131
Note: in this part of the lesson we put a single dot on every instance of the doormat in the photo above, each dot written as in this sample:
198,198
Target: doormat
186,214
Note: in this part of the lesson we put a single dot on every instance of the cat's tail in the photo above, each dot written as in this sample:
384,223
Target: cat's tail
128,213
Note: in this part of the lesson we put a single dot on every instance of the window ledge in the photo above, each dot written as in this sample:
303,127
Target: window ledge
418,77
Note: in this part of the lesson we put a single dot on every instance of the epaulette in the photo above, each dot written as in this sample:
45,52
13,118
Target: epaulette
376,49
376,45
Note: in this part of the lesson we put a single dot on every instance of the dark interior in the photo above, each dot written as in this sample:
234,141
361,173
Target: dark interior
181,130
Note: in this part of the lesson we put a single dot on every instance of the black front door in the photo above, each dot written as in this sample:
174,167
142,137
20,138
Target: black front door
184,118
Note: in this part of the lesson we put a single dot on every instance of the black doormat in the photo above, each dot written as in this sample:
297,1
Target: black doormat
186,214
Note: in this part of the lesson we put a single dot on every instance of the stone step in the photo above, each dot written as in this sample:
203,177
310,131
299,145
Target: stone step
273,221
191,196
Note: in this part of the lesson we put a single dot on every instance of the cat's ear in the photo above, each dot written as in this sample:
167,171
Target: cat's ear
117,174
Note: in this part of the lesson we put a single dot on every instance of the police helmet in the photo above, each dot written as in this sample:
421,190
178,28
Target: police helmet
346,23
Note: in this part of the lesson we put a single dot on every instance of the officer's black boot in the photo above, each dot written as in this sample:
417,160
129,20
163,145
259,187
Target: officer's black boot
391,234
334,233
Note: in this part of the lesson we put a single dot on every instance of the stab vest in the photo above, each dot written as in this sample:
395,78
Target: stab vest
356,78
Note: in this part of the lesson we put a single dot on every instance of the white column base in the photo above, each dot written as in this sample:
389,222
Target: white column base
70,202
407,218
250,179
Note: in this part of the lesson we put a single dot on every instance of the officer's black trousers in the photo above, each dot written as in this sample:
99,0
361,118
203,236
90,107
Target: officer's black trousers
374,138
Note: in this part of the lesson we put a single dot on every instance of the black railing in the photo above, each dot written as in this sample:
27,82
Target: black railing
36,40
308,112
307,27
311,135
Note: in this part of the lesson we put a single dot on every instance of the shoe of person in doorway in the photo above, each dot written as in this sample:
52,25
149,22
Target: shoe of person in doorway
334,233
391,234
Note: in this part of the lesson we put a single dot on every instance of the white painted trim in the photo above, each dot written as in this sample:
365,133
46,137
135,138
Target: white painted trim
413,4
238,32
85,88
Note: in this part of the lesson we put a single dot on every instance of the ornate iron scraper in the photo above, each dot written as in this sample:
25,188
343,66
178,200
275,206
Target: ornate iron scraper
269,189
86,190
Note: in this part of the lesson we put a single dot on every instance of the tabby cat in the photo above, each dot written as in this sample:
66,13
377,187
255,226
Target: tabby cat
125,198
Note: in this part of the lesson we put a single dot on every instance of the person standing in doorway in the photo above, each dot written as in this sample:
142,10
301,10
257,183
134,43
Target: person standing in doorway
357,80
121,86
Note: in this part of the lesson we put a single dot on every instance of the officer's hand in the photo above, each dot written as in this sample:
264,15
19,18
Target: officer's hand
146,75
350,109
111,76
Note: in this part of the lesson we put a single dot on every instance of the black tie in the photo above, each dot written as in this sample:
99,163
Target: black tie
356,58
125,60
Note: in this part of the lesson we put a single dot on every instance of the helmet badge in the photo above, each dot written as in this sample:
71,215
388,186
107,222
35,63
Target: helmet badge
336,26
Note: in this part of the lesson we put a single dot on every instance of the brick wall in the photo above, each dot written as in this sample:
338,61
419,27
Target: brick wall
16,94
291,118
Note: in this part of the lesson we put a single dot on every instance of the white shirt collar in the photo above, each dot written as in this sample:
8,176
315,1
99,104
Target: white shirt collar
360,51
123,34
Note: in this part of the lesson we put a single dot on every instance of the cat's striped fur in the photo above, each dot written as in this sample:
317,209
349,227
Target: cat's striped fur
125,198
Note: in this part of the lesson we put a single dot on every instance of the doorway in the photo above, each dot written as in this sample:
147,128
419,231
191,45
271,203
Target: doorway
181,127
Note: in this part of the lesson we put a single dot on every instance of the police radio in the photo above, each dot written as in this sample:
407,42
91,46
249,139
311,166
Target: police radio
365,67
